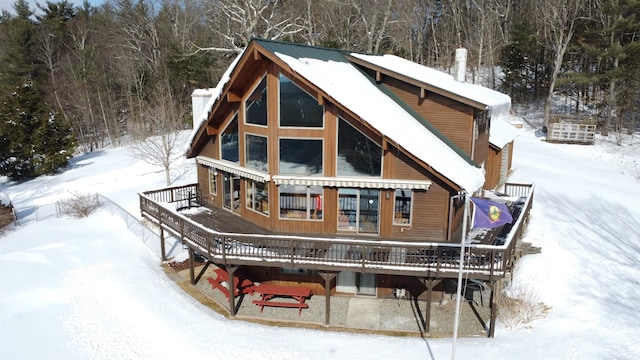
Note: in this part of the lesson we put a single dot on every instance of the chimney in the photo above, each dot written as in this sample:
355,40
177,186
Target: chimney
199,99
460,67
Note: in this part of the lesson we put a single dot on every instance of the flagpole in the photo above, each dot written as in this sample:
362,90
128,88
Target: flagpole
461,267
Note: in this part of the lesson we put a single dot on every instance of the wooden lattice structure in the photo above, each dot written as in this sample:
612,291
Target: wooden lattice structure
7,215
571,129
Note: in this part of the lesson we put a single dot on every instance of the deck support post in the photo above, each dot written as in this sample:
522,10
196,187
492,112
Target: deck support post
429,283
192,276
496,290
231,287
327,276
163,252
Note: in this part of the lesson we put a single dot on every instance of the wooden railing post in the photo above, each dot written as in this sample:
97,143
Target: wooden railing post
224,249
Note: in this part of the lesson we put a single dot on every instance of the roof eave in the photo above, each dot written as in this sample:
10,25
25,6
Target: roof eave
418,83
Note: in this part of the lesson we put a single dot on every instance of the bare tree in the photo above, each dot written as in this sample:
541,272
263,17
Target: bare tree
375,17
157,135
558,23
238,21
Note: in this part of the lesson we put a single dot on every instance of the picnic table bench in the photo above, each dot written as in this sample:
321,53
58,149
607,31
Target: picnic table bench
244,286
269,292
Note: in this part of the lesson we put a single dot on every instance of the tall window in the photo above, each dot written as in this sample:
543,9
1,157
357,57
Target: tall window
258,196
358,210
256,105
256,152
301,156
231,191
301,202
402,207
357,154
229,145
213,184
297,108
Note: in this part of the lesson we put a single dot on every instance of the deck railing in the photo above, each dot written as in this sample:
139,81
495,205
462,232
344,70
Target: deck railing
335,253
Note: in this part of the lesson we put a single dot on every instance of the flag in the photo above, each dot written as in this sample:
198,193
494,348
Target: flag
490,214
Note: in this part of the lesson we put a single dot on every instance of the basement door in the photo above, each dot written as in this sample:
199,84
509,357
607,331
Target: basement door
356,283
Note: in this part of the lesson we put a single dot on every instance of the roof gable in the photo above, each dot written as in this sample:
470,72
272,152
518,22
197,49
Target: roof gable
331,72
445,84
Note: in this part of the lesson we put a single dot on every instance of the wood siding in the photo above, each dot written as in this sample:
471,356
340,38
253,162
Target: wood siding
430,209
492,168
451,118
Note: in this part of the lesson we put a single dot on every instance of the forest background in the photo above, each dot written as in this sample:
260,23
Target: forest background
79,78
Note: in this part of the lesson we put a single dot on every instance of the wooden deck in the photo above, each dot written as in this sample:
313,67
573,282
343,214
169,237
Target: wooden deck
226,238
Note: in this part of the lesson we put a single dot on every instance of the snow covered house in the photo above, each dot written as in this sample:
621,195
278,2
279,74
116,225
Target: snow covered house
346,173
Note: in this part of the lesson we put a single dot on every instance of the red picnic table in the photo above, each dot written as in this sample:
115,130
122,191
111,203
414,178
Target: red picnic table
244,286
268,292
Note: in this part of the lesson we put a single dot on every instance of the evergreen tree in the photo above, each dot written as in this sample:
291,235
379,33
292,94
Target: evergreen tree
523,73
33,141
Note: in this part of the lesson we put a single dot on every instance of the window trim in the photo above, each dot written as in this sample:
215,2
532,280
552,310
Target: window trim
324,108
308,210
250,190
236,116
356,229
340,118
249,93
395,211
322,140
213,175
246,152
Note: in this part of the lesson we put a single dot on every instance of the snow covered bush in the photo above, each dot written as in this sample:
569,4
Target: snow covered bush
79,205
520,306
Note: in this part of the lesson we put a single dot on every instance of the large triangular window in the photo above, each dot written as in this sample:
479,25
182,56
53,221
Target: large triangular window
229,143
357,154
256,105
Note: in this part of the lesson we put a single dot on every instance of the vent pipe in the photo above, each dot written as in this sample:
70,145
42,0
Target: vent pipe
460,67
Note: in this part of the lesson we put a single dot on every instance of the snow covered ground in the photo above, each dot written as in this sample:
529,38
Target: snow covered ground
90,289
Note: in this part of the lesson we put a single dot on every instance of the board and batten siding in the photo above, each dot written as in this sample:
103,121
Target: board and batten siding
452,118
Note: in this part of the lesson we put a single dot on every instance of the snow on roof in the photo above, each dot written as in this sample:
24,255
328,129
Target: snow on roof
215,95
496,101
501,133
347,85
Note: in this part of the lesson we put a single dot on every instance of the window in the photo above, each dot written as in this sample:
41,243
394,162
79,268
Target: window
301,202
231,190
297,108
256,105
256,152
301,156
213,183
358,210
229,146
357,154
258,196
402,207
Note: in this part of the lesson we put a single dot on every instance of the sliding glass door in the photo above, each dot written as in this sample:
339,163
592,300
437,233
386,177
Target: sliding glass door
358,210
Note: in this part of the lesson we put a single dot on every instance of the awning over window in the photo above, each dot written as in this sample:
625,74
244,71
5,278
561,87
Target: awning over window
351,182
233,168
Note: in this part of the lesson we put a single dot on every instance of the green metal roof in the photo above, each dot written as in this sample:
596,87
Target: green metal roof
299,51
